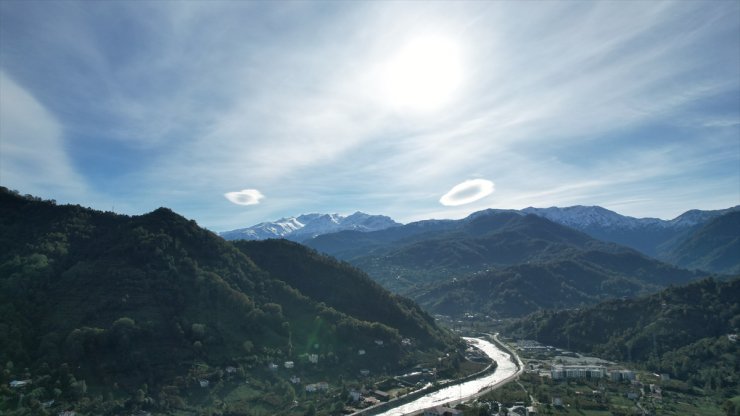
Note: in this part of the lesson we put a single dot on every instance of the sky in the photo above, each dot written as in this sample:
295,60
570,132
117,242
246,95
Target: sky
233,113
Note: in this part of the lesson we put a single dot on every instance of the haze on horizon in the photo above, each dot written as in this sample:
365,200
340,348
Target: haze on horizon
234,113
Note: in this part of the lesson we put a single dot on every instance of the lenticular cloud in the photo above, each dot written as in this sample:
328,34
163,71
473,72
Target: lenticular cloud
245,197
467,192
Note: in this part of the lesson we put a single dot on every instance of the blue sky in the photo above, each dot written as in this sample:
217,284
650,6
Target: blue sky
382,107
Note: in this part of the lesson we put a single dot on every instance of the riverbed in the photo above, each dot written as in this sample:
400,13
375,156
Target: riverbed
505,371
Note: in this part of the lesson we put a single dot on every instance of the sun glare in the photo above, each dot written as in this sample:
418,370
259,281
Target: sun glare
423,75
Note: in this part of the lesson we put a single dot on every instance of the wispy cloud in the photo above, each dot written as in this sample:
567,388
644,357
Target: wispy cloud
563,103
32,154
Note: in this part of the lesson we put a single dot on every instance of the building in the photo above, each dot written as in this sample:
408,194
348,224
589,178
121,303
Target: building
273,367
578,371
204,383
313,358
365,372
289,364
361,352
379,342
381,395
621,375
354,395
295,380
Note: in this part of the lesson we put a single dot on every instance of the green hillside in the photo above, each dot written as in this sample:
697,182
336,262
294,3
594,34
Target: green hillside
104,312
714,247
682,331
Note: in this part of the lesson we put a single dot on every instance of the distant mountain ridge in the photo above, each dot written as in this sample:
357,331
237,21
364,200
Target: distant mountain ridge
715,246
307,226
500,262
651,236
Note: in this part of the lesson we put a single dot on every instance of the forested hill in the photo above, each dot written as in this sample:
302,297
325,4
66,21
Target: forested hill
715,246
338,285
681,330
127,301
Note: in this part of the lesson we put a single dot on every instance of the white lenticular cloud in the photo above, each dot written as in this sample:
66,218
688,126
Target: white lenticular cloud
245,197
467,192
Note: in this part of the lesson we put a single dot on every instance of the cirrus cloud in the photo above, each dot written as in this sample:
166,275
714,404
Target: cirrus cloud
245,197
467,192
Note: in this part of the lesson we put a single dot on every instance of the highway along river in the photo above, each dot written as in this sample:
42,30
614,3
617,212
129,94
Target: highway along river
505,371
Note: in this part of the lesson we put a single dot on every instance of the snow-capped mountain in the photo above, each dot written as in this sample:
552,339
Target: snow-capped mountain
651,236
582,217
307,226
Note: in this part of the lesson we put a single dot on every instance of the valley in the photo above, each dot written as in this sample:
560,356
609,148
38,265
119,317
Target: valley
154,314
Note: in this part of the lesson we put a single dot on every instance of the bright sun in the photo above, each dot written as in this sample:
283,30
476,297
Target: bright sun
423,75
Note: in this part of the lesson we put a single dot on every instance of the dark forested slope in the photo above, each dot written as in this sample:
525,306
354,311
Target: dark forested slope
127,301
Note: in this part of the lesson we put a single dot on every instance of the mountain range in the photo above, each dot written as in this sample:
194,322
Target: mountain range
307,226
651,236
665,240
498,262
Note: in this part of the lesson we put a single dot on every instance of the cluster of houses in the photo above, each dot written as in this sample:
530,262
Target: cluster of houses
365,398
560,372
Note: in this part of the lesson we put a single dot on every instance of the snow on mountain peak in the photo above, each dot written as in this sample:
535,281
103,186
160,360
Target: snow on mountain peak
580,217
307,226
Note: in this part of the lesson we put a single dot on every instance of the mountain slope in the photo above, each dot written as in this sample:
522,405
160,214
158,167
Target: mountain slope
311,225
681,331
714,247
582,278
127,301
338,285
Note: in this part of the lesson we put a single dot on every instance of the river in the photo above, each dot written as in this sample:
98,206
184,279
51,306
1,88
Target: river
505,371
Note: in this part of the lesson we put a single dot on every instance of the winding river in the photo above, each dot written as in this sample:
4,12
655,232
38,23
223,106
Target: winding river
505,371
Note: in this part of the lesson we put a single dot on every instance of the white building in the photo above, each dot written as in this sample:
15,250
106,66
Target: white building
313,358
560,372
289,364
